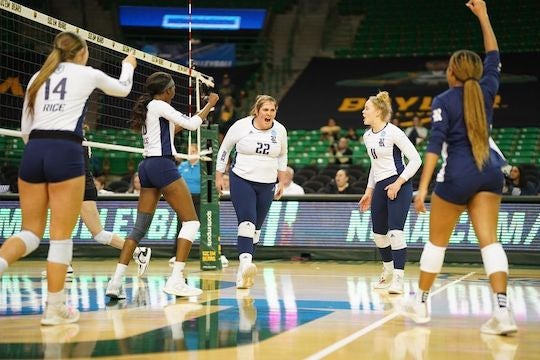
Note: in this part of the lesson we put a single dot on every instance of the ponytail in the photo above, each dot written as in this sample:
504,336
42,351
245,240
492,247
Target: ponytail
138,114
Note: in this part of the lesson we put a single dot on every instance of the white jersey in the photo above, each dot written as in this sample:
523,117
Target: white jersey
158,131
61,101
259,153
386,149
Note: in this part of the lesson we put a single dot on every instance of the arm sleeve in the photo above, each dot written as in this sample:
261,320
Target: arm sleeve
371,180
439,127
116,87
283,156
26,118
410,152
176,117
492,75
224,152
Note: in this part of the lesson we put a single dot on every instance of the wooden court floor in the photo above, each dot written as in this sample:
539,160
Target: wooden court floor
310,310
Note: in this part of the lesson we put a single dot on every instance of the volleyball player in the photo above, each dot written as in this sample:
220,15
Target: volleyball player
90,218
471,176
52,167
158,121
261,158
389,191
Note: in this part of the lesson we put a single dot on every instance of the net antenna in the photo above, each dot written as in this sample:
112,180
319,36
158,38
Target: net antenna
26,40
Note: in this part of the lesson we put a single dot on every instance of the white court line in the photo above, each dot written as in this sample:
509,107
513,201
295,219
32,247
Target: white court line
341,343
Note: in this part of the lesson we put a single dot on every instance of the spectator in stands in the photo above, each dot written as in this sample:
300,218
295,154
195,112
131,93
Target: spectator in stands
517,184
330,131
226,116
291,188
340,153
351,134
340,185
135,185
227,87
416,133
471,177
396,122
100,186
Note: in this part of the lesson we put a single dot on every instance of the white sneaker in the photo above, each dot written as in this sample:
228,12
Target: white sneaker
180,288
224,261
384,280
59,314
142,256
501,323
245,278
69,272
115,291
418,311
396,287
172,261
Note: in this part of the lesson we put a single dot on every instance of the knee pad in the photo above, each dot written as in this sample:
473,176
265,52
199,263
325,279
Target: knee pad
246,229
256,236
30,240
397,239
104,237
432,258
494,259
141,226
382,241
60,251
189,230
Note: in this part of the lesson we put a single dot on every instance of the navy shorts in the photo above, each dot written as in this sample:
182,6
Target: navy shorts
51,160
460,190
158,172
251,200
389,214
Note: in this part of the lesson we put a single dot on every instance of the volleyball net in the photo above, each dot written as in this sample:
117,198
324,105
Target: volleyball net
26,38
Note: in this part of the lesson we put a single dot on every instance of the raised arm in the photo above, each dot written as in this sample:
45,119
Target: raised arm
478,8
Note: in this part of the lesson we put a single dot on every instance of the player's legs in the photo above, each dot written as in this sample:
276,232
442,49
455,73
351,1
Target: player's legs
264,196
179,198
379,221
483,211
398,209
34,200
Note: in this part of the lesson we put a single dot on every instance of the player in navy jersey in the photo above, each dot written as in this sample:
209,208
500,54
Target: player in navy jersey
261,159
471,176
389,191
52,168
158,121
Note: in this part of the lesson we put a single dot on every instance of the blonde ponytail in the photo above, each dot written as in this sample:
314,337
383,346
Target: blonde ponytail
383,103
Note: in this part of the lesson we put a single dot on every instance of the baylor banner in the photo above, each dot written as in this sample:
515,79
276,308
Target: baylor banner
339,88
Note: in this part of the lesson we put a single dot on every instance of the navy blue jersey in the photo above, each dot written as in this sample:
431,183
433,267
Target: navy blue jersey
448,136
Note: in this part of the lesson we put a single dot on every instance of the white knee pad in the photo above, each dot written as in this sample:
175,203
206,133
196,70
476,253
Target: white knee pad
432,258
246,229
30,240
494,259
189,230
60,251
256,236
397,239
104,237
382,241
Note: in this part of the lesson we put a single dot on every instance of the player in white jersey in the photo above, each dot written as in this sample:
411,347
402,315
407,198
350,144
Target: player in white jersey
158,121
52,168
261,159
389,191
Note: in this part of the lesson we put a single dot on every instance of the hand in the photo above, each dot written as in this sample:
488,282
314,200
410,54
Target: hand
392,190
365,202
419,200
279,191
213,98
219,183
130,59
478,7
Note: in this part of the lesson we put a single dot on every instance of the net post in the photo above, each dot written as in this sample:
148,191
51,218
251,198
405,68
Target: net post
209,217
